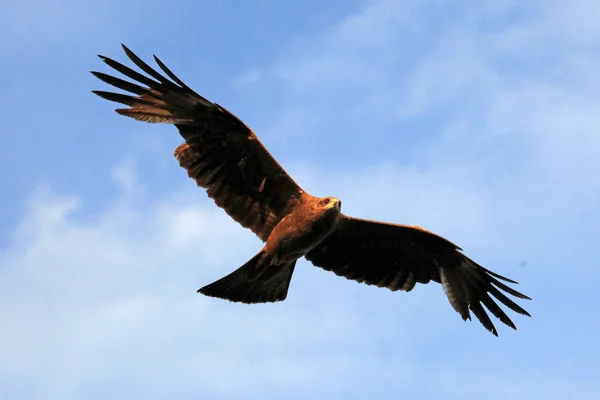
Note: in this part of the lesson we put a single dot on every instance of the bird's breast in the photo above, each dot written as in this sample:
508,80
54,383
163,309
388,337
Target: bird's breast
297,234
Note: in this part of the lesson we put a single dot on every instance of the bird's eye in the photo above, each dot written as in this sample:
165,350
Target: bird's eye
326,201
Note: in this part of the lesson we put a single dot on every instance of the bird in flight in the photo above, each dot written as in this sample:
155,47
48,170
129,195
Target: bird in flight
225,157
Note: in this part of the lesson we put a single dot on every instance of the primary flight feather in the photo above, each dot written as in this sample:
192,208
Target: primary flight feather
226,158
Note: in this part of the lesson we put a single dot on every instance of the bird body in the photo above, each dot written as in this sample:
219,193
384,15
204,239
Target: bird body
293,237
303,229
226,158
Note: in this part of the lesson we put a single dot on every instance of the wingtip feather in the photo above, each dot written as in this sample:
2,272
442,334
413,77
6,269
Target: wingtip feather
476,285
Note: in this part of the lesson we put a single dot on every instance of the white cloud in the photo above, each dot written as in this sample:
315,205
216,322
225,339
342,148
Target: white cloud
112,301
525,128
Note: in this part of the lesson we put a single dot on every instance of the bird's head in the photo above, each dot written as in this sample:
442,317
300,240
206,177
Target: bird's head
331,202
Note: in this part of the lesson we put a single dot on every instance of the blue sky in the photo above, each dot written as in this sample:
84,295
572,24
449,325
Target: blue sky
479,122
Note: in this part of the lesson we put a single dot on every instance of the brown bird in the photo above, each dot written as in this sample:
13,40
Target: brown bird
225,157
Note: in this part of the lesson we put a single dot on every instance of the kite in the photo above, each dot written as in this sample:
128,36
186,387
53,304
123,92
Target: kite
226,158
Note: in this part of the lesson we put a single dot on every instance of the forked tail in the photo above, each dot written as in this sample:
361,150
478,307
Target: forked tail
245,285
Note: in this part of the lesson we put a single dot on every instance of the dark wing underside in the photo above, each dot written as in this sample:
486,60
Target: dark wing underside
220,152
399,256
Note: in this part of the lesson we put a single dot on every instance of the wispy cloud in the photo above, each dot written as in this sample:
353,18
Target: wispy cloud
113,300
250,77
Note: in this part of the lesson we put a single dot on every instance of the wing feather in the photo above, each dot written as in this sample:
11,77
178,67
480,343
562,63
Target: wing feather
220,152
399,256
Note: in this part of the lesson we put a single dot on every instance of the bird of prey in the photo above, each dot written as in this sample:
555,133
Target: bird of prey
225,157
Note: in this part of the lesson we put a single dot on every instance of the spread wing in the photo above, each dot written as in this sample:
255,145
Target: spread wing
220,152
399,256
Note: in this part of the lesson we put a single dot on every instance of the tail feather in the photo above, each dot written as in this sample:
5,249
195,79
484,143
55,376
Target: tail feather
245,286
